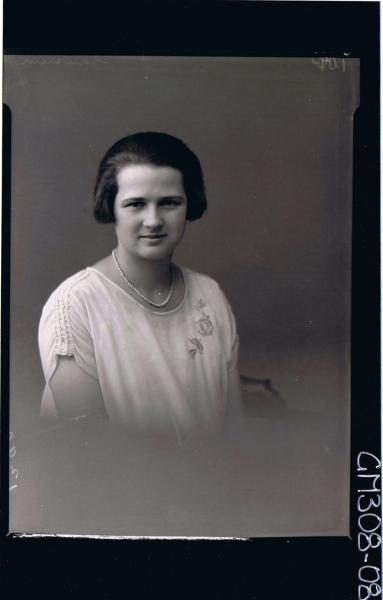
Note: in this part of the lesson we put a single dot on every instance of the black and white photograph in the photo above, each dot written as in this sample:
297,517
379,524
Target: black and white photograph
190,329
180,294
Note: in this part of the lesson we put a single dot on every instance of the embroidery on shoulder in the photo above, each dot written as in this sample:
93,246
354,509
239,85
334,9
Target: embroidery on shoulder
205,326
200,304
198,347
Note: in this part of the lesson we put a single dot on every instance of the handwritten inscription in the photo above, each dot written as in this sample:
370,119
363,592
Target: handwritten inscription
369,523
331,64
13,471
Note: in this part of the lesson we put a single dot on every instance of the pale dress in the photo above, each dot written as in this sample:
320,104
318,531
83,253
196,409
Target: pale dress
156,370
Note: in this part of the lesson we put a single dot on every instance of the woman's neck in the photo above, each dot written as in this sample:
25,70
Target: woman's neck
146,275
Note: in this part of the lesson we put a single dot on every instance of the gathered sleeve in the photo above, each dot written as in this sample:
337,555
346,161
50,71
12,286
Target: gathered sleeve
232,339
234,408
64,331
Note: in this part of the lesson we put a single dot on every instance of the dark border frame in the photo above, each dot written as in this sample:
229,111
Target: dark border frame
261,568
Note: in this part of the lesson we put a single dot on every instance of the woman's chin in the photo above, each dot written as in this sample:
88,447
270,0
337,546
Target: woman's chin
156,254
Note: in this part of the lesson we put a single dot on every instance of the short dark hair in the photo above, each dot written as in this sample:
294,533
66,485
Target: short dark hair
153,148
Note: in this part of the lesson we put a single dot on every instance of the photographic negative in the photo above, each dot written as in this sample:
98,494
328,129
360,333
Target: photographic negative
274,137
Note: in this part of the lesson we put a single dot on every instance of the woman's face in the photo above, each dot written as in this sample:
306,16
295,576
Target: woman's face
150,210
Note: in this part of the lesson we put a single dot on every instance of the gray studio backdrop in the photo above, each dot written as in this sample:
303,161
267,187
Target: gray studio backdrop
274,136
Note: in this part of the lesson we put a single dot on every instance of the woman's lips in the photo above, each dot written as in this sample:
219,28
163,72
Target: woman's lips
153,239
156,236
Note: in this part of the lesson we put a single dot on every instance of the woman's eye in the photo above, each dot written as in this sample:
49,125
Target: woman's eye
170,202
135,204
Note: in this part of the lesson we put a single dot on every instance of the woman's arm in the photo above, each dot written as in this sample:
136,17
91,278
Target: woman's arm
75,393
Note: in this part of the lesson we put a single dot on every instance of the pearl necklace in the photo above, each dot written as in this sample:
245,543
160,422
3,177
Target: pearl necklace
130,284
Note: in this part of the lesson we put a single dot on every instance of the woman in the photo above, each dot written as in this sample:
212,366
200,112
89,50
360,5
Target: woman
149,344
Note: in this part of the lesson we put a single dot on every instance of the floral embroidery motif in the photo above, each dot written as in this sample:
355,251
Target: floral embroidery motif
198,347
200,304
204,327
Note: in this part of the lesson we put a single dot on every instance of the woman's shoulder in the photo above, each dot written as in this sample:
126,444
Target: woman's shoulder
202,284
206,289
201,278
196,276
72,288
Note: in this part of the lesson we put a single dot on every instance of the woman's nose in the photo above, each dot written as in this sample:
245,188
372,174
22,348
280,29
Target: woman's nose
152,217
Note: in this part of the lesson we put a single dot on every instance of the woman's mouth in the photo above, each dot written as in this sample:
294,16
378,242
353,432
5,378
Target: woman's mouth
153,236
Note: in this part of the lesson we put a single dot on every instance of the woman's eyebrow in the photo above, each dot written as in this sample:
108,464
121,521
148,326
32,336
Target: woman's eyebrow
133,199
142,199
172,197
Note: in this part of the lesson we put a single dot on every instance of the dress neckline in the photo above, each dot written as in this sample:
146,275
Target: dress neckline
150,310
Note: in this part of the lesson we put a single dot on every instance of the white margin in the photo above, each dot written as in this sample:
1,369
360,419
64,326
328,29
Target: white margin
124,537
